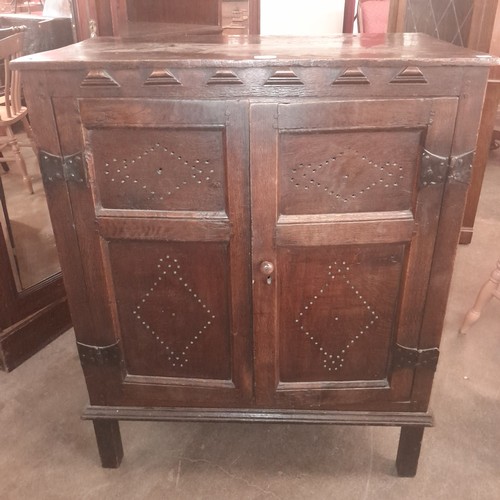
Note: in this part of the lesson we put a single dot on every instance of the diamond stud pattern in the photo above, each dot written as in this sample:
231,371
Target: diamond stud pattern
334,361
168,268
127,171
321,177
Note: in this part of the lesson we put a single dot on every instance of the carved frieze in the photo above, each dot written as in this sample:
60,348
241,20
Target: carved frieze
284,77
225,77
352,76
99,78
161,77
411,74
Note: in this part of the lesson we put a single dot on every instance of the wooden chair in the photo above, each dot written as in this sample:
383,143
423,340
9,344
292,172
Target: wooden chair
373,16
489,290
11,109
25,6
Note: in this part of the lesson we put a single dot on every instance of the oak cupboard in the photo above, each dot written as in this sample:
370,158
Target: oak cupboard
258,229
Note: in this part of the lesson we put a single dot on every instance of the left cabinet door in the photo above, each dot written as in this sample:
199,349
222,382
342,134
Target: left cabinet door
166,254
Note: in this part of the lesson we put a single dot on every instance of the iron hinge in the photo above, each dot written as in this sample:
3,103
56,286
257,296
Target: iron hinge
68,168
433,169
461,167
407,357
99,356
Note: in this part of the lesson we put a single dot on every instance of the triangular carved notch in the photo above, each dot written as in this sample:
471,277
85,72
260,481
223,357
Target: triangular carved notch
224,77
161,77
410,74
98,78
284,77
351,76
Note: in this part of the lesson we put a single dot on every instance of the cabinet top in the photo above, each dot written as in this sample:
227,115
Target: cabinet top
248,51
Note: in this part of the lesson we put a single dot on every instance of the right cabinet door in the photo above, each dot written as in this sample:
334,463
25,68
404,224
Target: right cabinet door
346,197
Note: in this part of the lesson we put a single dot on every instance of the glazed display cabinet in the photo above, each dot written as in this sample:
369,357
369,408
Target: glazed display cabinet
258,229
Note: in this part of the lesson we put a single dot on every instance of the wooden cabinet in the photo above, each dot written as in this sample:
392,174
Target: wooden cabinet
130,17
258,229
33,306
124,17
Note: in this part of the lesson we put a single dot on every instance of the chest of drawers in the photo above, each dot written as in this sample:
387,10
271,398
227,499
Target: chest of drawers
257,229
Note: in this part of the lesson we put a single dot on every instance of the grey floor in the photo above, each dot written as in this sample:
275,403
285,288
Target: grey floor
47,452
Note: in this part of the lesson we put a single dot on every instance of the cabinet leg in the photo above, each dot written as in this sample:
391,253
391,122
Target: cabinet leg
410,442
109,442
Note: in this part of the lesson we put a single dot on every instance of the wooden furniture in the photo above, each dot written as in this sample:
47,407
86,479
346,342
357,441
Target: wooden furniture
43,33
489,44
31,314
489,290
469,23
116,17
30,317
26,6
258,231
373,16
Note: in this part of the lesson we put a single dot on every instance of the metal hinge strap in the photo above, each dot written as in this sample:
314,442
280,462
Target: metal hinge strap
69,168
461,167
99,356
433,169
407,357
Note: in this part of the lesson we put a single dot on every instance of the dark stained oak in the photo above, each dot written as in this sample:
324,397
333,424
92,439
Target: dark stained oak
109,442
410,443
258,228
31,317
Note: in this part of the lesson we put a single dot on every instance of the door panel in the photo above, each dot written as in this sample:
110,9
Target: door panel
345,309
170,188
160,169
173,313
342,172
343,215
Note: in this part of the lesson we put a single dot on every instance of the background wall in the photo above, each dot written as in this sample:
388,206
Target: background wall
296,17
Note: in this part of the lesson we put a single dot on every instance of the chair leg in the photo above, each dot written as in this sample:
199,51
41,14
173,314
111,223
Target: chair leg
490,289
19,158
5,165
29,132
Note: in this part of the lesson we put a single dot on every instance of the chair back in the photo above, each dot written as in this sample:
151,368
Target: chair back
373,16
11,47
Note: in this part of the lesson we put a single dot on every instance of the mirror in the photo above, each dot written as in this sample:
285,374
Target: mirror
24,217
25,221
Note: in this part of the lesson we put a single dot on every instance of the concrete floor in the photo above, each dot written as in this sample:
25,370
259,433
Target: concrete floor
47,452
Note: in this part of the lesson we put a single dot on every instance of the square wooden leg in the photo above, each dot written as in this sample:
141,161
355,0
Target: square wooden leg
410,442
109,442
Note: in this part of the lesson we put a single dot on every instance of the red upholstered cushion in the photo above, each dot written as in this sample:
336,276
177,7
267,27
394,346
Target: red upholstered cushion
374,15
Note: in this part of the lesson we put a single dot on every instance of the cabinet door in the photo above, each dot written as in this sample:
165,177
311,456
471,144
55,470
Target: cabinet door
170,191
346,198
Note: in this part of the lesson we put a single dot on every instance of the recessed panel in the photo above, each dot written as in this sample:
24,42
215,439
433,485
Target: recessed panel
349,171
337,311
173,308
158,169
